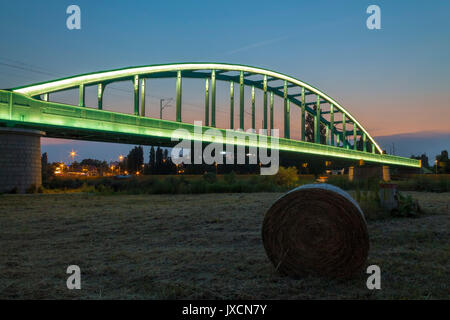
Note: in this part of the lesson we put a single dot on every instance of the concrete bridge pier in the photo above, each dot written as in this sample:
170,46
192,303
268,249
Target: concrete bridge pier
20,159
360,173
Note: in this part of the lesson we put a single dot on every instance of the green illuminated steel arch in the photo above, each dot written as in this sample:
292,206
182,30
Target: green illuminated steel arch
218,71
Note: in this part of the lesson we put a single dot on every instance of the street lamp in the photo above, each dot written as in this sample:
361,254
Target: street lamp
120,160
73,154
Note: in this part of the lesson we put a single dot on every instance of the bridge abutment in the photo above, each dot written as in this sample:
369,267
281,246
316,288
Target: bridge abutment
361,173
20,159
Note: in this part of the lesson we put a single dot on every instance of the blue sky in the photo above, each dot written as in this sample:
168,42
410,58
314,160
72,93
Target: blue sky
395,80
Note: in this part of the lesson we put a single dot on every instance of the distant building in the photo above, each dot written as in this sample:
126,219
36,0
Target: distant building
423,158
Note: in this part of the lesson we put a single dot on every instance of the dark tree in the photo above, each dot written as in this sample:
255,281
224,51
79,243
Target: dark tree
75,166
159,160
135,159
44,160
443,163
46,168
443,156
101,166
152,160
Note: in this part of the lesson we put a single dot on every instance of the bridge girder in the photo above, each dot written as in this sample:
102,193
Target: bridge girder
222,72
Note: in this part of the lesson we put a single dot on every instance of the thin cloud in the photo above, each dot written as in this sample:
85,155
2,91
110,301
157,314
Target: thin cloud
256,45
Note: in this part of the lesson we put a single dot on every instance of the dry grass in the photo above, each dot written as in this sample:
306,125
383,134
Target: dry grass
197,246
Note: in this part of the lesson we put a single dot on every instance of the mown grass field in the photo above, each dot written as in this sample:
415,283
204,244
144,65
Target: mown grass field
205,246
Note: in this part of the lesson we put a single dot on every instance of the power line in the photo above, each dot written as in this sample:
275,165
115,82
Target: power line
24,64
25,69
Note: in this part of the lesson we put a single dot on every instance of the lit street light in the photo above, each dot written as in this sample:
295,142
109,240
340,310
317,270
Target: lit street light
120,159
73,154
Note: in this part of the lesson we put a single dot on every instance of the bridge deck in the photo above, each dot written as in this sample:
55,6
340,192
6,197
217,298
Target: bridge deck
72,122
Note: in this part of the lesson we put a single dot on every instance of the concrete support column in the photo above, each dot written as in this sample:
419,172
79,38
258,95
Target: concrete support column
20,163
362,173
386,173
351,173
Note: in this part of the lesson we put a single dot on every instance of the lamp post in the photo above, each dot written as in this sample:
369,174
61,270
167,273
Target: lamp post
120,162
161,106
73,154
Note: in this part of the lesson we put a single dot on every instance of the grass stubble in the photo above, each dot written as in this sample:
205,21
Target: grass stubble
205,246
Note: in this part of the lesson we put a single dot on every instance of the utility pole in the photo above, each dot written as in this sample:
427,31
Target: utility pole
161,106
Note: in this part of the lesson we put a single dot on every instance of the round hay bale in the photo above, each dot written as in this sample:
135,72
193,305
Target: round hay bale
316,229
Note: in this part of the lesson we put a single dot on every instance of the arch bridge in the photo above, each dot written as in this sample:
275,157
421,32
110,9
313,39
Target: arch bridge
335,131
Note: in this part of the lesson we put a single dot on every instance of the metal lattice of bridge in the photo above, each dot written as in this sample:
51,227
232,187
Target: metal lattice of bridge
31,107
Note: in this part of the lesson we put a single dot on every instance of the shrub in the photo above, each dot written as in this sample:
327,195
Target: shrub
230,177
444,184
210,177
31,189
426,183
101,188
342,182
407,206
14,190
287,177
197,186
86,188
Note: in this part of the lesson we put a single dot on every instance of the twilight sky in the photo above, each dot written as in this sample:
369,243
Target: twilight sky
395,81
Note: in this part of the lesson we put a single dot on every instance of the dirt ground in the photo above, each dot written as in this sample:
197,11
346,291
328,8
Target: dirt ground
197,247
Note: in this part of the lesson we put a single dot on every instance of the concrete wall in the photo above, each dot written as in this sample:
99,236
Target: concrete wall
20,159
